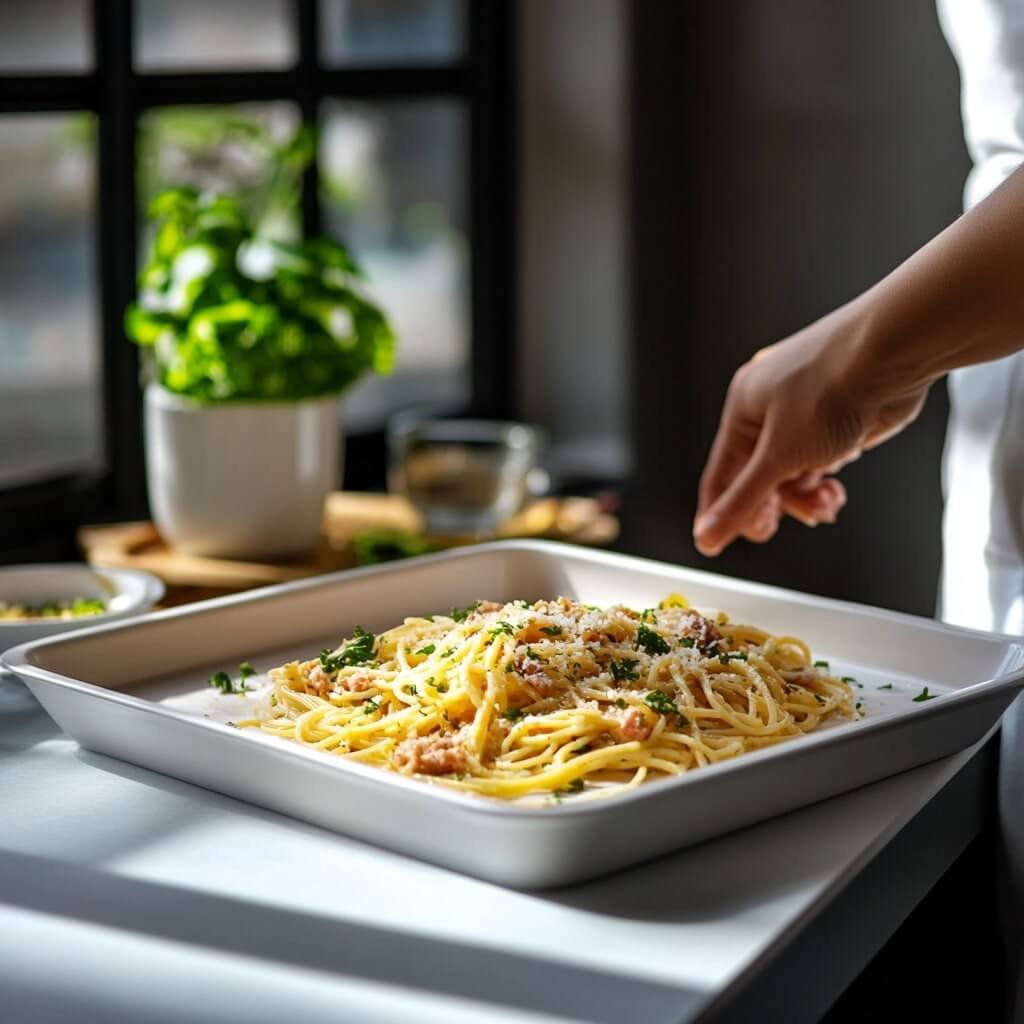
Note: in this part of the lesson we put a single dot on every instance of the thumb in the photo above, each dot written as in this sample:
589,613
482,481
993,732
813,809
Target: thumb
734,509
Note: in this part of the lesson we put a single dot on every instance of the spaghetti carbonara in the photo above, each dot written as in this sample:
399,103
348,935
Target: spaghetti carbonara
554,696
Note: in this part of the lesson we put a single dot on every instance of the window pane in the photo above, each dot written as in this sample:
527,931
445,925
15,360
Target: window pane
392,31
197,35
50,402
395,191
45,35
233,149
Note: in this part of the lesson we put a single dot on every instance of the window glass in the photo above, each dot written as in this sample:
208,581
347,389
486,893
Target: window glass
394,191
198,35
45,36
392,31
51,419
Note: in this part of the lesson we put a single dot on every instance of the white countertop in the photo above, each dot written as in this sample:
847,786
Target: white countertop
129,896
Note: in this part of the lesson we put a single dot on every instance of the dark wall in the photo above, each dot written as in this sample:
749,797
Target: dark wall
786,154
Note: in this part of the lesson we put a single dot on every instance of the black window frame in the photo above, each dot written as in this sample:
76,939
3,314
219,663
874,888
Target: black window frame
39,520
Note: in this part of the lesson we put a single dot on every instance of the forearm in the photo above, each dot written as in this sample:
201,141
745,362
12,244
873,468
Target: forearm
958,300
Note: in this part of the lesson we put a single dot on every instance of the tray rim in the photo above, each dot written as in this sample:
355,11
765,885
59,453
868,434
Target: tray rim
16,660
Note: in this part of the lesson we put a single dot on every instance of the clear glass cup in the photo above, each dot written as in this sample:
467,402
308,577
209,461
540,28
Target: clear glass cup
463,476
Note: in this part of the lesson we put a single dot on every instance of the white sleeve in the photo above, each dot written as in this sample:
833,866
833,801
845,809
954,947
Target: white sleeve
987,39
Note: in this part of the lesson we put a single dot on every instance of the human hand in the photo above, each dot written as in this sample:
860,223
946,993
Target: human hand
794,415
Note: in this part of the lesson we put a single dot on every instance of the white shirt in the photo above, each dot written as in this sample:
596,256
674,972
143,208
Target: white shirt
983,578
983,470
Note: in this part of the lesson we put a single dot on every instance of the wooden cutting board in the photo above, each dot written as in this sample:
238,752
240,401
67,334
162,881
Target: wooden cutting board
347,515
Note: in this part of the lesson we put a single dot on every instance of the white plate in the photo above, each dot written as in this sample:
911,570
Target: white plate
139,691
125,592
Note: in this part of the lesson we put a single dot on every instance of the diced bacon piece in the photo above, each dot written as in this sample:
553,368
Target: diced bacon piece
430,755
703,630
318,681
355,684
483,609
532,671
634,725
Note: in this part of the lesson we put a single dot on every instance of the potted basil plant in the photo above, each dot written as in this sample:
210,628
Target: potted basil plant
250,342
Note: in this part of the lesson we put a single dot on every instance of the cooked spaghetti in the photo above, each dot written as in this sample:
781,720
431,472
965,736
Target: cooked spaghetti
554,696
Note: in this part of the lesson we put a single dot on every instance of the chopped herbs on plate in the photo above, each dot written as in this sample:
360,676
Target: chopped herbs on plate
461,614
661,702
223,682
357,651
625,669
650,641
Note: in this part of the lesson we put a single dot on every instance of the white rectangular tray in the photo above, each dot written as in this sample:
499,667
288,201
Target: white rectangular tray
138,691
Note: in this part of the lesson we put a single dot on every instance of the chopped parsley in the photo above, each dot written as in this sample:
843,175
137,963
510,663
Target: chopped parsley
499,628
818,697
551,630
413,691
461,614
647,615
658,700
513,714
222,681
625,669
847,679
924,695
357,651
688,641
821,664
621,703
370,706
576,786
531,653
888,686
726,656
447,652
510,666
442,687
653,643
428,649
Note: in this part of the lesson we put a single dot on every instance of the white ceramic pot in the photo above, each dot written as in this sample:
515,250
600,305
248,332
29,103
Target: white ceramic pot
240,479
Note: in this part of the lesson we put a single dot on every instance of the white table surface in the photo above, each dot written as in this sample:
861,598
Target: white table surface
128,896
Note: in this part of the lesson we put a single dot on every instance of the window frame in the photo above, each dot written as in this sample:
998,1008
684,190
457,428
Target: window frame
39,520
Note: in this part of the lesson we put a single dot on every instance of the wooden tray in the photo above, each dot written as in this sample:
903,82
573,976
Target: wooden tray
347,516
